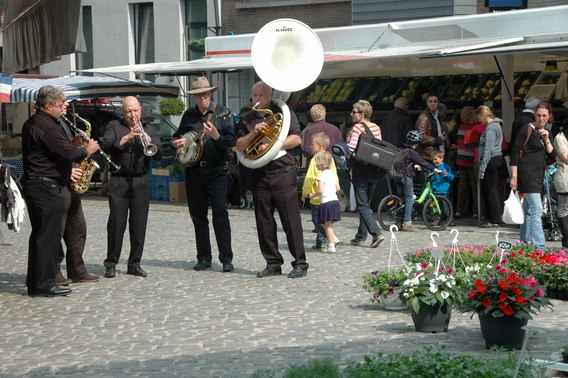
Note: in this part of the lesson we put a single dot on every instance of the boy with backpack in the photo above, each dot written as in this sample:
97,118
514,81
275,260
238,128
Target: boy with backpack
412,160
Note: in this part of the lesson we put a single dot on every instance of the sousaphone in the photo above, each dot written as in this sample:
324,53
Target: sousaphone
288,56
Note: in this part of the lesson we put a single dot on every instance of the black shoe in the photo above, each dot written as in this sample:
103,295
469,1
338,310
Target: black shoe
138,272
201,266
268,271
377,241
355,242
54,291
298,272
110,272
228,267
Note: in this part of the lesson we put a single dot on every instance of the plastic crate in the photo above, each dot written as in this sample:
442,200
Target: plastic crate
159,188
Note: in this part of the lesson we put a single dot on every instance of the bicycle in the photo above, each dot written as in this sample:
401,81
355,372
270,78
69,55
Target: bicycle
436,209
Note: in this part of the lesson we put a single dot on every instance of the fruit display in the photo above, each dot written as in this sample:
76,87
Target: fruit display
472,88
408,88
313,96
394,86
381,90
375,88
329,93
345,90
523,82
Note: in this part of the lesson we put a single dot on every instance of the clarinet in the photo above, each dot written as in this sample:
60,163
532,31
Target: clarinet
113,166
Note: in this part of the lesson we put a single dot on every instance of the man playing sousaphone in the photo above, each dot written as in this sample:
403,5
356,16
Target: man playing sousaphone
207,180
274,186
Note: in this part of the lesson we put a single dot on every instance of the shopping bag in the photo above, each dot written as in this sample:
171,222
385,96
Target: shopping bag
513,209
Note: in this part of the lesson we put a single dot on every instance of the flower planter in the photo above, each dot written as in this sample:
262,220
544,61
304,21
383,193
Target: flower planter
505,332
432,319
392,301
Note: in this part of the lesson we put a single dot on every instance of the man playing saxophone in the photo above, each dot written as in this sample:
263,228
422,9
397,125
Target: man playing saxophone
47,157
131,146
74,226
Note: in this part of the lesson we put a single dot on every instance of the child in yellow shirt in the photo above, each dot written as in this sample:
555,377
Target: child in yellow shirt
320,142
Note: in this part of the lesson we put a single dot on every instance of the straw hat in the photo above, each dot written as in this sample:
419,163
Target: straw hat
200,85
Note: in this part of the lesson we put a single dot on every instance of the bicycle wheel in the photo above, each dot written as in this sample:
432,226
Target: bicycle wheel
437,217
390,211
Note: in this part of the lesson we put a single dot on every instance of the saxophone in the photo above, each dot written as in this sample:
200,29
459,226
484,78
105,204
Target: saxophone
87,166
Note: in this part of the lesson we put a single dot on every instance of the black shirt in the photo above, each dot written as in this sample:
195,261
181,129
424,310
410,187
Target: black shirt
215,152
129,156
46,149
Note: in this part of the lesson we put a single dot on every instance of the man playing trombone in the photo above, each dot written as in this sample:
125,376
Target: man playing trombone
131,145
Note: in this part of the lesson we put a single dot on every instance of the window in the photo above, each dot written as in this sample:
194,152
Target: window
85,60
195,27
144,34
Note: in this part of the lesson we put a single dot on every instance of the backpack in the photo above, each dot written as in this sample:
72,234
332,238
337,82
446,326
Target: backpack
398,168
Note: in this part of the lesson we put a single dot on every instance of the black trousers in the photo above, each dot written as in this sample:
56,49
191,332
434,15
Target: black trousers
492,187
74,231
278,191
46,204
129,201
209,186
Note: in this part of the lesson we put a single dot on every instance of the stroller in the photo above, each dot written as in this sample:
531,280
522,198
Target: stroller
549,205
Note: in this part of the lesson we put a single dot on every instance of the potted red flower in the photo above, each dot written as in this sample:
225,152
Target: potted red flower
504,301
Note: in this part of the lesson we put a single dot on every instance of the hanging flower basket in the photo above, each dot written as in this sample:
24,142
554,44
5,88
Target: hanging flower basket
197,45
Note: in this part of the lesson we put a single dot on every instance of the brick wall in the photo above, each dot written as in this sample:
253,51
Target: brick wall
250,20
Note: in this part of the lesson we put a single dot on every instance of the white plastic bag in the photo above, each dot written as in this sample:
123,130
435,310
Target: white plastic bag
513,209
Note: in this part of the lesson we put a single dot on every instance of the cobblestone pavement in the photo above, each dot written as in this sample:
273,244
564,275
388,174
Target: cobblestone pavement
178,322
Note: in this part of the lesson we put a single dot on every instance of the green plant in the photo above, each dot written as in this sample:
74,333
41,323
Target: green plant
176,169
172,106
312,369
381,283
196,44
426,285
504,292
431,363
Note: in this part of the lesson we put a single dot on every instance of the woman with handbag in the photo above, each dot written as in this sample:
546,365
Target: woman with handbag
529,154
561,183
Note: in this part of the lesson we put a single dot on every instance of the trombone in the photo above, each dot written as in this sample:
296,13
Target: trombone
149,148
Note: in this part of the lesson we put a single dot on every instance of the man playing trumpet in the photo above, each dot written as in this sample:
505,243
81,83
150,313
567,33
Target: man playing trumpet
131,146
207,181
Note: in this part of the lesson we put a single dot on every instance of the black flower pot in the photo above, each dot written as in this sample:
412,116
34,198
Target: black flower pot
432,319
505,332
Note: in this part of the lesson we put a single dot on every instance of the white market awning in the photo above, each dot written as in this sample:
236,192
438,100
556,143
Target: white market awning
87,87
461,44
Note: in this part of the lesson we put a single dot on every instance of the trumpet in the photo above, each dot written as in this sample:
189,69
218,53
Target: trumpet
149,148
112,165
